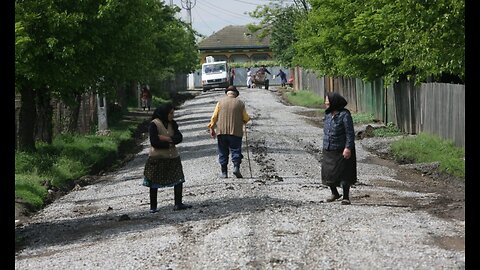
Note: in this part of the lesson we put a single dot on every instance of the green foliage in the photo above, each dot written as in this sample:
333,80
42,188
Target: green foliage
70,48
390,130
390,39
158,100
38,162
29,188
278,23
257,64
304,98
283,36
68,158
362,118
429,148
66,169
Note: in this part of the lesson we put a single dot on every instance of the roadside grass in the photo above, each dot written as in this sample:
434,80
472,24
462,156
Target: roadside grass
409,149
68,158
59,165
430,148
389,130
362,118
304,98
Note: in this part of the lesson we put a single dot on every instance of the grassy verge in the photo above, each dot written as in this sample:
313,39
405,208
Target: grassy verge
68,158
415,149
57,166
304,98
60,165
429,148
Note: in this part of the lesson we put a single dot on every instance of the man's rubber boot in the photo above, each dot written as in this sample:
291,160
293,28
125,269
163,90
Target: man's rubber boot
178,190
224,171
236,171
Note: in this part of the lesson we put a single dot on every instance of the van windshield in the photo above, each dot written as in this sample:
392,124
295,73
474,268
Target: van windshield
214,68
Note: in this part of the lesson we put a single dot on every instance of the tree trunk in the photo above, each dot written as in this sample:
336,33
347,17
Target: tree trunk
44,126
122,96
74,112
27,119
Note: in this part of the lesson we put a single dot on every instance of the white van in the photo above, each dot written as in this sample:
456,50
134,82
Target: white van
214,75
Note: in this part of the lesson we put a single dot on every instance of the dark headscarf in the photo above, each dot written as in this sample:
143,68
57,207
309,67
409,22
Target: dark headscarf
337,102
161,112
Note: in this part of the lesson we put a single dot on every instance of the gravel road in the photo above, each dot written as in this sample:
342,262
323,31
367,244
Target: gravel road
274,218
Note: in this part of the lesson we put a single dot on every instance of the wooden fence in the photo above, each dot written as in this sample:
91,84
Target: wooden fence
434,108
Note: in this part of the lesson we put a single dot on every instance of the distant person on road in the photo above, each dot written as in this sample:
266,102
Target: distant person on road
339,164
229,117
263,70
146,98
164,167
261,77
249,78
283,77
232,75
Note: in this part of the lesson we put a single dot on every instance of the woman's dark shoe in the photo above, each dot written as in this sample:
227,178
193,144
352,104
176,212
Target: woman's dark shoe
181,206
346,201
153,210
333,198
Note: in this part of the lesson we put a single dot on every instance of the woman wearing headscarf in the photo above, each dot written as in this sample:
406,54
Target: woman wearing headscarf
164,167
339,164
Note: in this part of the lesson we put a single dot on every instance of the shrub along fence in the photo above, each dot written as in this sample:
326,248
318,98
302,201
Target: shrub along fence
433,108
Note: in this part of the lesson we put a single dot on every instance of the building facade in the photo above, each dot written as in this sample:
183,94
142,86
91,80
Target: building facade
235,44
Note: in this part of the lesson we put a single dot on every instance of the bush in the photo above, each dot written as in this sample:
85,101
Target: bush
429,148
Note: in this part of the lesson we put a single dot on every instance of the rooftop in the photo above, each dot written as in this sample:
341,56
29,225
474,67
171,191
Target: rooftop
233,37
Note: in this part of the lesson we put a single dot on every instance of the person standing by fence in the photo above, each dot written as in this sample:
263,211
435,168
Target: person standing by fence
339,164
283,77
249,78
232,75
146,98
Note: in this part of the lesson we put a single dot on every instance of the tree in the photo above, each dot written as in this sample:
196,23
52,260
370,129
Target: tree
381,38
278,21
66,48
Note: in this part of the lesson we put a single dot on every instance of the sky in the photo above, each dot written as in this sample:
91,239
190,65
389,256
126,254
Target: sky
209,16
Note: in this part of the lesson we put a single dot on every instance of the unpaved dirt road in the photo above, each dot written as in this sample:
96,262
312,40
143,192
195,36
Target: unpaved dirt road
276,219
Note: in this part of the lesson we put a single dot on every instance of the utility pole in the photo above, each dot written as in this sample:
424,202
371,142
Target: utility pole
188,5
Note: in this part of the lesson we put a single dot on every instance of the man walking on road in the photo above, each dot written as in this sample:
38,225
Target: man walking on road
229,117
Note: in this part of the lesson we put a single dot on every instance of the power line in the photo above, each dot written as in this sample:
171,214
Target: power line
245,2
187,4
223,19
205,23
227,11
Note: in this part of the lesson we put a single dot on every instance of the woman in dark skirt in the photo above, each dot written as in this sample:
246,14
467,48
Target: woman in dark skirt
164,167
339,164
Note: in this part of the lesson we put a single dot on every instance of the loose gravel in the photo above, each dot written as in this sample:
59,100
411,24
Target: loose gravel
275,217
